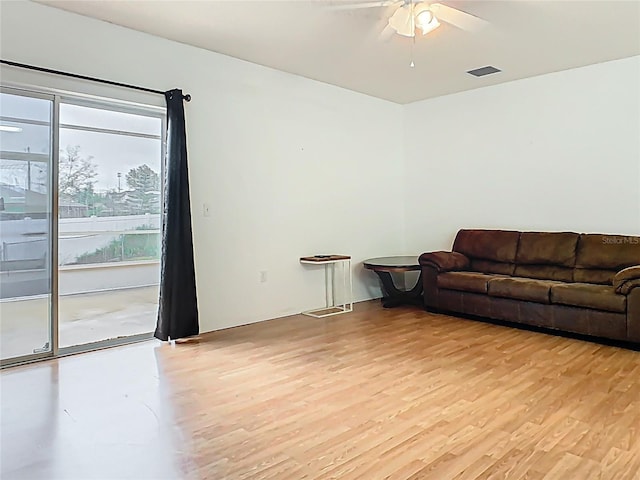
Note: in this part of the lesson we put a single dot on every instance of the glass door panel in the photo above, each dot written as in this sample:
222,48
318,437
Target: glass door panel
109,223
25,224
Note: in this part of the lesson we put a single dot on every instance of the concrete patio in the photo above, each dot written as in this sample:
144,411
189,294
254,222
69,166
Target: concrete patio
84,318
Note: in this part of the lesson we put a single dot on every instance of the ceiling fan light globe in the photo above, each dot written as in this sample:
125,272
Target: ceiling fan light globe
402,22
424,17
429,27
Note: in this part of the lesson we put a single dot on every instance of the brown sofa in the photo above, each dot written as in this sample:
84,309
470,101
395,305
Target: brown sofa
582,283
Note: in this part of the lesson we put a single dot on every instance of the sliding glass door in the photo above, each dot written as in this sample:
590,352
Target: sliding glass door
109,222
80,200
26,224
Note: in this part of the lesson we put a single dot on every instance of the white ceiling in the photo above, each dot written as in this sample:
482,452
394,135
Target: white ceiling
343,47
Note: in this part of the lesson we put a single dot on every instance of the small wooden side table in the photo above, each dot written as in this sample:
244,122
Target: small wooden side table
330,262
384,266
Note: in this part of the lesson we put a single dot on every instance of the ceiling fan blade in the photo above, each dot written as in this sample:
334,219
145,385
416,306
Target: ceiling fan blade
387,33
355,6
458,18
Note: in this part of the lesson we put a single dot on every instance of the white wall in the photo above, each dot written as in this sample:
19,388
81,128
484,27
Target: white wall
293,167
290,166
555,152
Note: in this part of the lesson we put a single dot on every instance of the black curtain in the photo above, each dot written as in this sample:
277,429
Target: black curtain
178,308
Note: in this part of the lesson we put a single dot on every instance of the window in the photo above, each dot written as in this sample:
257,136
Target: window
109,186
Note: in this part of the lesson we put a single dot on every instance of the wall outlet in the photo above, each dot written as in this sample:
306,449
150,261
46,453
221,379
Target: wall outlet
263,276
206,210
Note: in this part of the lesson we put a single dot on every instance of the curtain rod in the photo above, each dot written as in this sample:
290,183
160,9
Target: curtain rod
186,98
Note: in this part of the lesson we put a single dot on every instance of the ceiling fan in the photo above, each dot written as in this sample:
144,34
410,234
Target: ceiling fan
420,16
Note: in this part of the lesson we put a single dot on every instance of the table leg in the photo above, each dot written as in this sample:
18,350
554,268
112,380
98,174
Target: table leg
333,284
327,286
394,296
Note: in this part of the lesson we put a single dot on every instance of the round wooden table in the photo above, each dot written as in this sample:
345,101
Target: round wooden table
384,267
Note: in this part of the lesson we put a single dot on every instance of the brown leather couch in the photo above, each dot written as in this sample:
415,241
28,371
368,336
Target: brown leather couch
582,283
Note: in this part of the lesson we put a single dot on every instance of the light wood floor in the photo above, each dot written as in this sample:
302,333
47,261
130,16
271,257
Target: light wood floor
375,394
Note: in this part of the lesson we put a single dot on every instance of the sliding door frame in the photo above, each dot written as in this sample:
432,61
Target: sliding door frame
52,182
58,97
55,330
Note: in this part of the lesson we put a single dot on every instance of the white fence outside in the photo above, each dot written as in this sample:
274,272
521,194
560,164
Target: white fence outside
26,239
24,255
108,224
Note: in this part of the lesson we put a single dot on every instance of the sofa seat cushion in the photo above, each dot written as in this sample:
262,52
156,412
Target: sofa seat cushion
599,297
519,288
464,281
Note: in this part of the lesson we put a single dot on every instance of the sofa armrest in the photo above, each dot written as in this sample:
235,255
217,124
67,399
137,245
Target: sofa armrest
444,261
626,279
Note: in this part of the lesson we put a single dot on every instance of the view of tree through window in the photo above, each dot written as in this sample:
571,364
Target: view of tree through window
109,186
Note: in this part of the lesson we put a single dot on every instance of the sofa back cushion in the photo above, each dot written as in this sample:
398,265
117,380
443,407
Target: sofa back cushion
490,251
544,272
547,248
599,257
563,256
546,255
593,275
489,266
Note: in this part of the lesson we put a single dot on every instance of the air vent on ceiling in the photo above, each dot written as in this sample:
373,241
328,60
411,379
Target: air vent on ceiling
481,72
